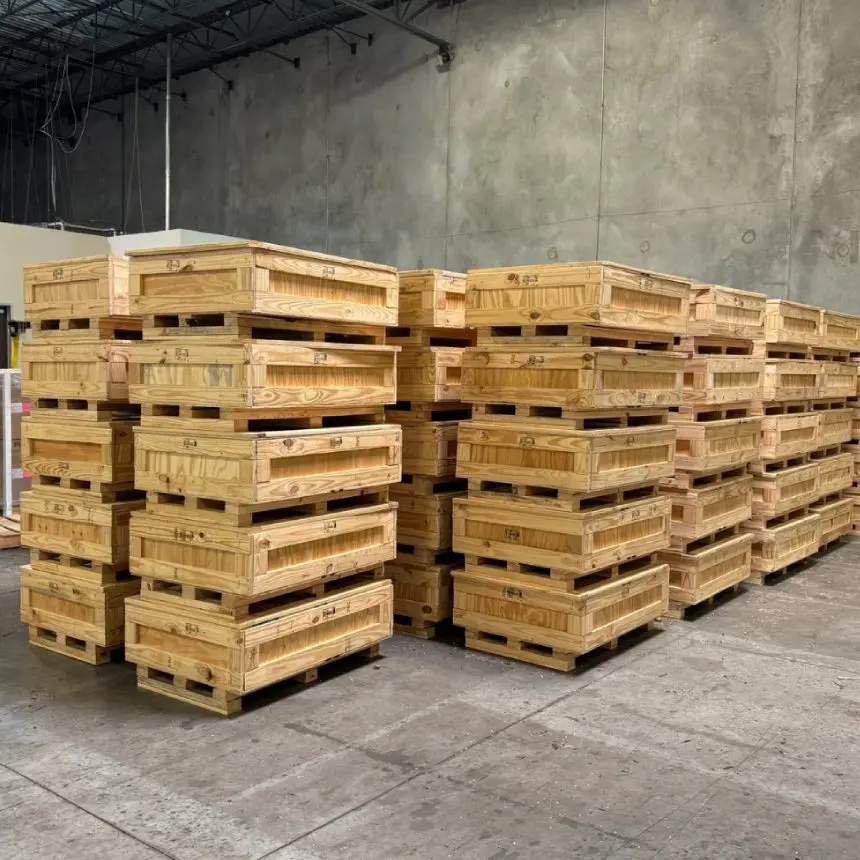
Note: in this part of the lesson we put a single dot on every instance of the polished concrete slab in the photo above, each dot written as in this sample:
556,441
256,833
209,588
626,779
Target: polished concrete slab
730,737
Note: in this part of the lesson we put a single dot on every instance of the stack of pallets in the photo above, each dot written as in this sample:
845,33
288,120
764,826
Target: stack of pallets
571,383
854,447
432,337
801,473
263,451
718,436
78,445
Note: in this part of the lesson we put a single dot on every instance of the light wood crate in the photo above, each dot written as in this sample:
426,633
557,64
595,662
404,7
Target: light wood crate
432,298
90,370
430,375
727,312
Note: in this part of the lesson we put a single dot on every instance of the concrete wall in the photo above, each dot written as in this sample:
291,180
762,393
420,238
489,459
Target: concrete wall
715,138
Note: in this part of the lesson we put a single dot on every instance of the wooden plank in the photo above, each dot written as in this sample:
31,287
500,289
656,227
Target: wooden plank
716,310
262,374
80,288
572,377
92,452
578,541
597,293
259,278
267,466
533,453
233,658
266,559
432,298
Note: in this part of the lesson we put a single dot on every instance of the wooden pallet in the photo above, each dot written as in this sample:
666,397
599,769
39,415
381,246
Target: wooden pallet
254,277
574,334
594,293
433,298
267,467
427,337
81,409
681,611
231,328
221,701
263,374
578,542
99,453
295,549
572,377
414,412
86,287
76,370
208,419
723,311
75,488
564,460
407,625
87,328
431,374
10,531
75,647
78,567
712,345
762,577
228,659
575,419
238,607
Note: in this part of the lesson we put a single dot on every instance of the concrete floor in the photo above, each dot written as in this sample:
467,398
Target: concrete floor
733,737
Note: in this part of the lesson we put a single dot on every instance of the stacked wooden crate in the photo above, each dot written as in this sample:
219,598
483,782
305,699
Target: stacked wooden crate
78,445
853,446
13,407
571,383
801,472
432,336
263,377
718,436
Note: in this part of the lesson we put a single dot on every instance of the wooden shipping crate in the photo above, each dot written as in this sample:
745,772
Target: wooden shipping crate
840,331
81,451
606,294
707,445
424,521
527,452
432,298
86,287
265,279
270,466
708,504
789,434
838,379
430,375
594,378
836,473
261,374
574,542
835,426
792,323
262,560
429,447
720,379
786,489
837,517
723,311
544,626
698,573
789,379
776,546
423,595
80,527
223,658
75,617
90,370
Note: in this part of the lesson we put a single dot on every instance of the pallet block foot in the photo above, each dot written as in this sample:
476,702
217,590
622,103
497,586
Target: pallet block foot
71,646
516,649
406,625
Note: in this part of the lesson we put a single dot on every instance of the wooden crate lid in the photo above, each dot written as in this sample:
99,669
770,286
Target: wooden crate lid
707,293
251,246
47,270
588,264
